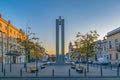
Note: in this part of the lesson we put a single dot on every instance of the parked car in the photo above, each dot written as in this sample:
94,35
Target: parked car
73,65
90,62
103,61
95,62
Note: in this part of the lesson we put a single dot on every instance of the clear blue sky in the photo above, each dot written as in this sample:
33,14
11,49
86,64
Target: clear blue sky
80,16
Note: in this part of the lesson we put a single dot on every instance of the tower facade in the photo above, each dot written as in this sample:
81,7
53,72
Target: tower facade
60,40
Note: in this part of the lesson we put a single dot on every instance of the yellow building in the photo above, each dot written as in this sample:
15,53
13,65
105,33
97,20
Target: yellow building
113,38
10,34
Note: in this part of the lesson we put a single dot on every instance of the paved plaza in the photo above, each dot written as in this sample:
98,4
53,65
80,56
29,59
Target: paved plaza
59,78
61,72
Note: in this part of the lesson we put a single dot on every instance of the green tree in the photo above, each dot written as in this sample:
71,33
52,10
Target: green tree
52,58
31,49
26,44
38,51
85,44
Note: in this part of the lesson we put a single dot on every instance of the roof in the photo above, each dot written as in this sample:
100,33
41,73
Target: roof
115,31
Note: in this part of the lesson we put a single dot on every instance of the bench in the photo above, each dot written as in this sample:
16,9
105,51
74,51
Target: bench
42,66
80,69
33,69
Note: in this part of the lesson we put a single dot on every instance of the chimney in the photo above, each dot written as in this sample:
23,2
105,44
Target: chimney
8,21
0,15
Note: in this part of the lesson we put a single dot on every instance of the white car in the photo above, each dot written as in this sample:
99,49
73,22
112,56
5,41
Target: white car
103,61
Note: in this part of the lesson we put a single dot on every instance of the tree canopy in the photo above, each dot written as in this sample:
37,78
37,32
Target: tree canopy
31,48
85,42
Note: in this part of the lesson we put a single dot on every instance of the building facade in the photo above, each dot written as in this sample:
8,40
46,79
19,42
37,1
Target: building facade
113,38
8,42
101,49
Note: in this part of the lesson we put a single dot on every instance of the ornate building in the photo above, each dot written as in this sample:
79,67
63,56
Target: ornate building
113,38
8,42
101,48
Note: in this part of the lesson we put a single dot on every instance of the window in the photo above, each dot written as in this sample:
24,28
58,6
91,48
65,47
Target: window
10,30
110,56
115,43
116,56
104,48
10,39
110,44
14,33
107,56
14,40
0,24
5,27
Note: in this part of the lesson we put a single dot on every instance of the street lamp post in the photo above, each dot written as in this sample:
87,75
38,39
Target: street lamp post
79,59
35,38
20,54
10,60
2,50
27,43
11,54
87,62
36,58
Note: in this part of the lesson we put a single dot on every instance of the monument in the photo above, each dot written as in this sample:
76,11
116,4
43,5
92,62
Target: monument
60,41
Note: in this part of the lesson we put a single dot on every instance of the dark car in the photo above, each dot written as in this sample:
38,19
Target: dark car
73,65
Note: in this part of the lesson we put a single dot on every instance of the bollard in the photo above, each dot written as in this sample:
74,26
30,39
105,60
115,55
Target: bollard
53,72
105,67
84,72
69,73
97,65
117,71
4,72
111,67
36,72
101,70
20,72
